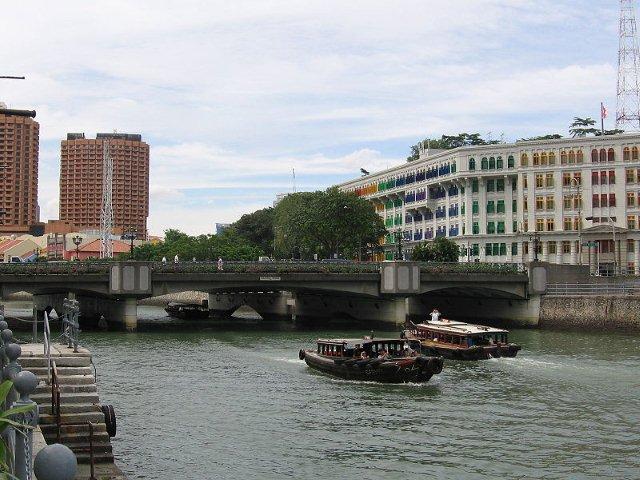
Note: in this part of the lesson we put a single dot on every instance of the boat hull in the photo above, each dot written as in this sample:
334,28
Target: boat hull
472,353
187,311
394,370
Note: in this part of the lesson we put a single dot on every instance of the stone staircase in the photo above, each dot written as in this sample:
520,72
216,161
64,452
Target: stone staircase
79,401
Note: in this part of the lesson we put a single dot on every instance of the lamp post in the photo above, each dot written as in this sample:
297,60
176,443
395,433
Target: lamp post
130,234
77,240
535,239
398,236
576,184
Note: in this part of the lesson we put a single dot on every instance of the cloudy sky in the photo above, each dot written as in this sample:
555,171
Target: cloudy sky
232,96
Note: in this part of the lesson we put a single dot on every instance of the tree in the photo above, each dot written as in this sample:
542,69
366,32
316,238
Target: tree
615,131
257,228
581,127
325,223
447,142
553,136
440,250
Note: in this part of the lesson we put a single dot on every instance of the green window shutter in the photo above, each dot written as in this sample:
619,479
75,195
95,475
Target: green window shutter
490,185
510,161
476,249
500,185
492,163
500,206
474,207
499,163
462,190
496,249
476,228
514,248
514,226
462,209
514,206
453,167
484,164
491,227
500,227
472,164
488,250
503,249
514,186
491,207
474,186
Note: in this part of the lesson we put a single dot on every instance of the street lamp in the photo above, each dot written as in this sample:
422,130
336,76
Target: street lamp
576,184
535,239
611,221
130,234
398,237
77,240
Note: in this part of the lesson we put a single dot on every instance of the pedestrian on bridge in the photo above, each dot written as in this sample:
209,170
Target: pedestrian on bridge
175,259
164,260
220,267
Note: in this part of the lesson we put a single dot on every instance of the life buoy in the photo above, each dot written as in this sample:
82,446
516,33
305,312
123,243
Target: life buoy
301,354
109,419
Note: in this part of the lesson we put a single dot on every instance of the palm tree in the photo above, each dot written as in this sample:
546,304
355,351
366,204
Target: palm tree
581,127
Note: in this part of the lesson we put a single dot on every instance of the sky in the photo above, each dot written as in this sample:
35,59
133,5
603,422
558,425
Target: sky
232,96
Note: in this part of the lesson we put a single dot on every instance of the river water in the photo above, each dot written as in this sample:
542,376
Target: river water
218,404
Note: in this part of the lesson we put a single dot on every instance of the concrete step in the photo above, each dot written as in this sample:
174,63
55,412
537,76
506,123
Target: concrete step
74,436
94,417
69,380
84,446
79,361
49,430
100,457
77,388
71,408
62,371
66,398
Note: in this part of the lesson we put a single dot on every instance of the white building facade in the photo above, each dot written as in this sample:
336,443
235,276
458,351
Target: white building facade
566,198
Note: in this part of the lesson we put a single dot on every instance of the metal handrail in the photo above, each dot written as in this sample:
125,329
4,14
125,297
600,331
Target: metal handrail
593,289
55,399
47,344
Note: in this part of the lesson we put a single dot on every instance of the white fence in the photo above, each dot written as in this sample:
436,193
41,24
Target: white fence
559,289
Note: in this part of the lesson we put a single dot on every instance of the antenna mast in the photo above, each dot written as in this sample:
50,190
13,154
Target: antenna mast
106,212
628,101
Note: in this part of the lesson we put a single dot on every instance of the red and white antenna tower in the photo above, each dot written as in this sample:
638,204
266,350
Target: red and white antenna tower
628,104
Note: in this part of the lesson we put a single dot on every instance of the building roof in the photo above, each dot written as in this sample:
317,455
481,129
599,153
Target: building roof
94,246
17,113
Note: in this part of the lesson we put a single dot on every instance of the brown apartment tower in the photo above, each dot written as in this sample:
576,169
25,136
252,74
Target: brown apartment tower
81,161
19,142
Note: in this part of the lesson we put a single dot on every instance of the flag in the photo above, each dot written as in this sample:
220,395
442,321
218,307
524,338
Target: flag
603,111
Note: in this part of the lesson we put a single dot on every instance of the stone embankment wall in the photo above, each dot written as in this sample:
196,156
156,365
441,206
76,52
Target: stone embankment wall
596,313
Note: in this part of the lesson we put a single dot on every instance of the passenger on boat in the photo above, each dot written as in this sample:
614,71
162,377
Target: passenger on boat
408,351
364,355
435,315
383,354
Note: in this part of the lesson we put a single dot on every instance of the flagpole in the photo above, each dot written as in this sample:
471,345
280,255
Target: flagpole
602,117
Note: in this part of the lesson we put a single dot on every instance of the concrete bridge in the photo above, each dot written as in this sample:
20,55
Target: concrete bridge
387,291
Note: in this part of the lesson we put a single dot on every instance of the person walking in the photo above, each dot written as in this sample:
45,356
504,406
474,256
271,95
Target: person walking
164,260
175,259
220,266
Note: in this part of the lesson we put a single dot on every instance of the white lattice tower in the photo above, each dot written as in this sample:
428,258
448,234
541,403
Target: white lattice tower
106,212
628,101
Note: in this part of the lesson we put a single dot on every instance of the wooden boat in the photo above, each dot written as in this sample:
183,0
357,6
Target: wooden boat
344,358
187,311
460,341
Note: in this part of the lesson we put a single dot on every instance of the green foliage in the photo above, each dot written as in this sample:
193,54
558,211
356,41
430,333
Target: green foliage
5,421
440,250
447,142
325,223
228,245
581,127
552,136
615,131
257,228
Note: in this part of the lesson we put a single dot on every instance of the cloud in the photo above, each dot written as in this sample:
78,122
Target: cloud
233,95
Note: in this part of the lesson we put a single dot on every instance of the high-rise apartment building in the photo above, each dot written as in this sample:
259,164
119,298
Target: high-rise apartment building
566,201
19,142
81,163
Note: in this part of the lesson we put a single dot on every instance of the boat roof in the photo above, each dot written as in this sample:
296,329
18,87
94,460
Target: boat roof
454,326
358,341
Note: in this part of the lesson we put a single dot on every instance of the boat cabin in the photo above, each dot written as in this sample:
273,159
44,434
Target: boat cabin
460,334
350,348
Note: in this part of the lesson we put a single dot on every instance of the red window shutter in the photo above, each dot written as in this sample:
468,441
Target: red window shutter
612,176
603,200
612,199
594,178
595,200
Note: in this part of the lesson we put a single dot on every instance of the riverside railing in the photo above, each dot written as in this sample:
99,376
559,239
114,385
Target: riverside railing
592,289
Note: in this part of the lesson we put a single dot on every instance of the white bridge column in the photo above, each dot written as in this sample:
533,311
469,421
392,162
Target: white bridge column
130,315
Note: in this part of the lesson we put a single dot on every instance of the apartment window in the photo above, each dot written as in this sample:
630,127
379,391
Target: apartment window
488,250
631,175
492,163
563,158
566,201
491,208
472,164
611,155
500,227
626,154
577,201
525,205
550,225
536,159
500,206
491,227
549,180
484,163
566,179
594,178
476,228
500,185
543,158
525,248
579,156
612,177
550,202
475,249
474,186
510,161
539,224
631,246
499,163
524,182
514,226
567,223
566,247
552,158
594,156
603,155
631,222
524,160
474,207
578,177
491,186
603,178
603,200
540,203
539,180
634,153
631,199
552,248
612,199
514,206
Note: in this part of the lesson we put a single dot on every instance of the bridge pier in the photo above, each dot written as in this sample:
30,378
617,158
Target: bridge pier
130,314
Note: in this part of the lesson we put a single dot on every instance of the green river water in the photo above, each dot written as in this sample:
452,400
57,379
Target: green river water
220,404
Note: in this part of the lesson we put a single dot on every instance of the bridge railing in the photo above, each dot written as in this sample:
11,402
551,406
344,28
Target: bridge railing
592,289
102,267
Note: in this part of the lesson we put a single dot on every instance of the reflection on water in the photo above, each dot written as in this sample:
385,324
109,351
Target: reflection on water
212,403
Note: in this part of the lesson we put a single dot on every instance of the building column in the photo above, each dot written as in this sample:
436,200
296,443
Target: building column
130,316
482,205
468,209
508,228
559,254
447,204
574,254
623,260
545,251
521,251
636,267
